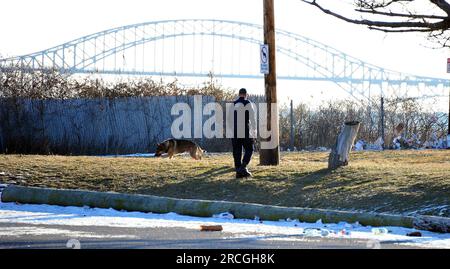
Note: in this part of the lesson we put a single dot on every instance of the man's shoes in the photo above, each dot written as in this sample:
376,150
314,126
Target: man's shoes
243,172
247,173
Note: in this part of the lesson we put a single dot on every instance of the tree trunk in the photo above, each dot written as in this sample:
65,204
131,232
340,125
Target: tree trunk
339,155
432,223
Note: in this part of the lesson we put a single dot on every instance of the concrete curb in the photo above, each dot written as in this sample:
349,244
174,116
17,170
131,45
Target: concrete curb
204,208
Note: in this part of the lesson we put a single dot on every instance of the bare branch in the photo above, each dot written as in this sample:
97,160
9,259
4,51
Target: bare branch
374,4
390,20
379,24
393,14
399,30
443,5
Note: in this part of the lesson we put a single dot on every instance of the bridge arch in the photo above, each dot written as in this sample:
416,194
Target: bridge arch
356,77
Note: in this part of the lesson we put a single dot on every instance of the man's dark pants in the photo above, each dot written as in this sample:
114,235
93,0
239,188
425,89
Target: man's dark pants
238,144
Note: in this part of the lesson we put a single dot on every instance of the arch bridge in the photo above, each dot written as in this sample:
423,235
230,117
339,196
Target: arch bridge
228,49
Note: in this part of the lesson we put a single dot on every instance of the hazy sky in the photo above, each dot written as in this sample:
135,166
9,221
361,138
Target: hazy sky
28,26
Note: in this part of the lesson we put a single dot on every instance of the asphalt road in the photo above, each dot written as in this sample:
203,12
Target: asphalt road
19,236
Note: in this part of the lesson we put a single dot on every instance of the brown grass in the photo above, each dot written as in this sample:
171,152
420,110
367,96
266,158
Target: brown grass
390,181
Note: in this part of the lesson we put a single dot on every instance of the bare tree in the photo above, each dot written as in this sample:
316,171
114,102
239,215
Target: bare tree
431,17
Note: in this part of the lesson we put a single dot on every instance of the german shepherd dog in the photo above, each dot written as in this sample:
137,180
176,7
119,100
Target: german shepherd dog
175,146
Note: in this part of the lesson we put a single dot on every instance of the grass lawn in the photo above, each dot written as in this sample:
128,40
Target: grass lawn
389,181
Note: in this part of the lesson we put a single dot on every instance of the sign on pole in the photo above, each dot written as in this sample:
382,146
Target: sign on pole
448,65
264,58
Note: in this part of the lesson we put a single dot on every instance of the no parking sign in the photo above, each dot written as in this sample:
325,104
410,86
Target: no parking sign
264,58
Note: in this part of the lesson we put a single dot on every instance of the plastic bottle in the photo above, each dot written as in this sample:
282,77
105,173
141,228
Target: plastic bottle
324,232
312,232
316,232
379,231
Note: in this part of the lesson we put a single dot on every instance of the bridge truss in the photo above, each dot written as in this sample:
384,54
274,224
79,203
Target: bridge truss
228,49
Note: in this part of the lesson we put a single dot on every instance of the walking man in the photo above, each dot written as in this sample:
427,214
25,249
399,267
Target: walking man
244,133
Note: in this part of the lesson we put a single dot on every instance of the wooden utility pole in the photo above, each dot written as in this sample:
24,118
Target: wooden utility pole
270,156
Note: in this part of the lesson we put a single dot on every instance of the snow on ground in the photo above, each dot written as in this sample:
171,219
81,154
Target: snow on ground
135,155
147,155
265,230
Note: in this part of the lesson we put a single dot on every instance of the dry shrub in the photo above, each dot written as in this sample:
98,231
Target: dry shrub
50,84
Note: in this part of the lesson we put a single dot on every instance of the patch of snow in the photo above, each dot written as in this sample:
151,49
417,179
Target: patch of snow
83,216
135,155
224,215
359,145
442,210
